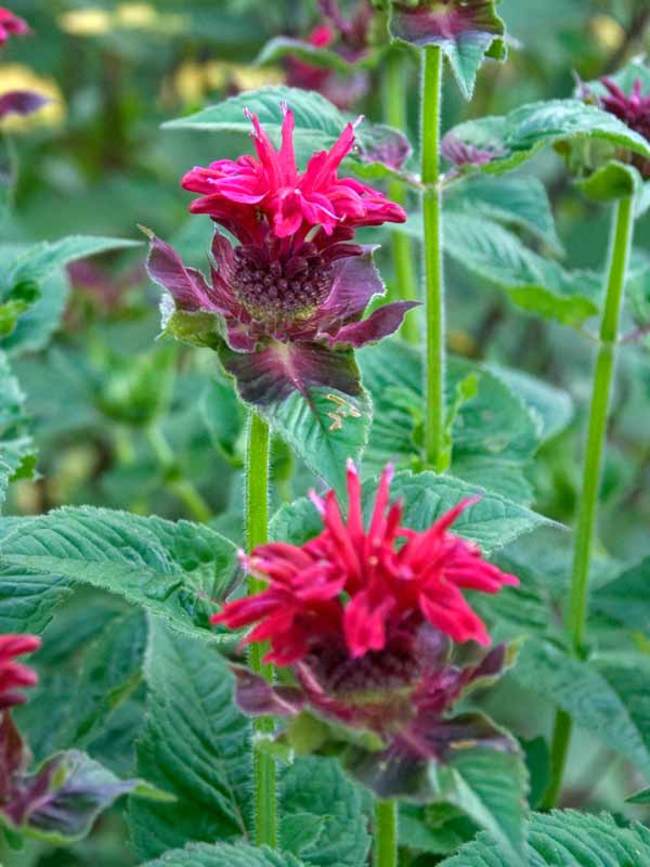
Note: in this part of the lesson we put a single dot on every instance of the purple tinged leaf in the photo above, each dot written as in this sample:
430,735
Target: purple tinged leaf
22,102
356,281
384,321
13,756
271,374
461,153
256,697
187,286
388,146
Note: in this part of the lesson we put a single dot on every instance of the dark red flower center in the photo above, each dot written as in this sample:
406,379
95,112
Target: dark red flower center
281,288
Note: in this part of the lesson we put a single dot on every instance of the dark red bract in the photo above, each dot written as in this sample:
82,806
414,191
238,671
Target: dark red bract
355,590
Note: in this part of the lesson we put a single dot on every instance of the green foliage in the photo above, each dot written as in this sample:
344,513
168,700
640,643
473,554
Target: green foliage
568,838
223,855
16,445
179,571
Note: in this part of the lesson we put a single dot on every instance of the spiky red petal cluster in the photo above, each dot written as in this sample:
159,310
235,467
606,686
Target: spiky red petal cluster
364,589
14,675
267,197
633,108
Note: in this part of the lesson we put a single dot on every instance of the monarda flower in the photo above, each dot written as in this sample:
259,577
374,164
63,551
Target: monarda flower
632,108
14,676
369,621
347,37
283,307
11,25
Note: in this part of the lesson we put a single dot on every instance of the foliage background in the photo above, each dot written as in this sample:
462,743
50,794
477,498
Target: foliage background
119,419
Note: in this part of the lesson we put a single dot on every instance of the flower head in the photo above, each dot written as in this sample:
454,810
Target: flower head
269,198
289,298
14,675
364,589
11,25
632,108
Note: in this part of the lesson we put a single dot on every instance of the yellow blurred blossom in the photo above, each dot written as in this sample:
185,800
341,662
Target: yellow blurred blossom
15,76
127,16
85,22
193,81
607,31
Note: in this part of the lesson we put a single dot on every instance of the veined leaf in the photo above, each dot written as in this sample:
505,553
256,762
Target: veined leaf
224,855
516,137
567,838
196,745
178,570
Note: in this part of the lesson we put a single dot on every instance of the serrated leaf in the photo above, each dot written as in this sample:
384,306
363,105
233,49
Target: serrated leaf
196,745
491,786
41,260
570,839
16,446
516,137
532,282
318,123
319,789
608,700
324,429
492,522
465,32
178,570
495,433
513,201
224,855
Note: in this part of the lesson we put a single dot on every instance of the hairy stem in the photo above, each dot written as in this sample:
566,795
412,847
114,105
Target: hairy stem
395,100
621,243
385,847
436,451
257,523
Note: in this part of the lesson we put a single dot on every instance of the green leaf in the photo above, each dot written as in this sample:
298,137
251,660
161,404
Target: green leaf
281,47
516,137
318,123
552,407
609,700
569,839
641,797
177,570
495,432
224,855
490,786
43,264
626,599
514,201
224,417
324,429
16,446
314,788
614,180
466,32
196,745
492,522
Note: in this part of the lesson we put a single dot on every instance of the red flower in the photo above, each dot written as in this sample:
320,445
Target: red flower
633,108
14,675
284,307
268,195
364,591
11,25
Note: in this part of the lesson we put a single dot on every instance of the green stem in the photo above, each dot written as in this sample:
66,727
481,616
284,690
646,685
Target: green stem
385,850
436,452
257,522
588,504
195,504
395,99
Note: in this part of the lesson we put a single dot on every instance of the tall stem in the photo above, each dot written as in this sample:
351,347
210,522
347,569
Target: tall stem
257,523
621,243
385,851
436,452
395,100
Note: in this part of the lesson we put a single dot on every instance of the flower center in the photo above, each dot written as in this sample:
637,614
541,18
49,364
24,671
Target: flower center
281,289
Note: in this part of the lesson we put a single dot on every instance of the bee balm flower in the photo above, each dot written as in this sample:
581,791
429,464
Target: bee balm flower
11,25
14,675
287,300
